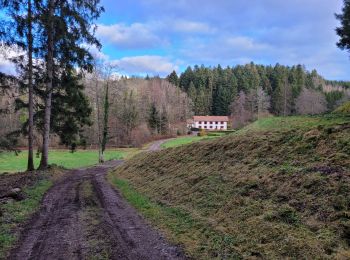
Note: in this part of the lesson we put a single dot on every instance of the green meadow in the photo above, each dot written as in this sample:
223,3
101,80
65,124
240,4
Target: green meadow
9,162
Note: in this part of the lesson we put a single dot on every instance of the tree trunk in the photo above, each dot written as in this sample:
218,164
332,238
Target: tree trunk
98,118
30,166
49,85
105,120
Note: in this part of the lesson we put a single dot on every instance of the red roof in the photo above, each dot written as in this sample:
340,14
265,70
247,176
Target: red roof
211,118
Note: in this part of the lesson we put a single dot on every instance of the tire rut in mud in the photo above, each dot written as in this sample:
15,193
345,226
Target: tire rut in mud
83,217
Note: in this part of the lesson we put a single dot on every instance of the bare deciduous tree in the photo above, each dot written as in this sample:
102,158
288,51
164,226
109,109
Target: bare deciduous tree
311,102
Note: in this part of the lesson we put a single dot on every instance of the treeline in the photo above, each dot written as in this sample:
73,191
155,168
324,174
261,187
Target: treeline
138,111
214,90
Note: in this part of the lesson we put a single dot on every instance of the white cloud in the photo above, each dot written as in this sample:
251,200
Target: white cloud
134,36
191,27
153,65
245,43
96,53
7,53
7,67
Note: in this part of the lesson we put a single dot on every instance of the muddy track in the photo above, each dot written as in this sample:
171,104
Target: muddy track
83,217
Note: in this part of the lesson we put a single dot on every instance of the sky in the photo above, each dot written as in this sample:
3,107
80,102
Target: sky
156,37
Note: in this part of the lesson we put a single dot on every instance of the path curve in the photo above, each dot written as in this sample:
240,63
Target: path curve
83,217
157,145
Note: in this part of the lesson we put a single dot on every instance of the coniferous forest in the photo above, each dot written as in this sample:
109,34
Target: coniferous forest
216,90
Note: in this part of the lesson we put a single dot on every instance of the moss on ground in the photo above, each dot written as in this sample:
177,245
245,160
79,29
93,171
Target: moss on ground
271,192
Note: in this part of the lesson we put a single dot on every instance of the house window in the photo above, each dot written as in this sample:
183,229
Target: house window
200,122
211,127
205,122
217,123
222,127
222,122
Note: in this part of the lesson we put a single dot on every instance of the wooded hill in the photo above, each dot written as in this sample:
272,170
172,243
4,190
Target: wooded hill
214,89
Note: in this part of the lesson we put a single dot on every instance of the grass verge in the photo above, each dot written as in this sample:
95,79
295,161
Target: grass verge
15,213
201,240
186,140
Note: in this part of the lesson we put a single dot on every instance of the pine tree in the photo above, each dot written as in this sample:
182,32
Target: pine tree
344,30
64,26
192,93
173,78
22,36
154,118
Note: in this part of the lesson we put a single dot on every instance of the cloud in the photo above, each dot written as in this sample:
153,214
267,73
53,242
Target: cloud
7,67
245,43
6,54
154,65
96,53
134,36
187,26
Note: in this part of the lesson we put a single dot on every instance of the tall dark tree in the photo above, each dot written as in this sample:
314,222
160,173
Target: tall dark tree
344,30
65,26
19,31
154,118
30,166
173,78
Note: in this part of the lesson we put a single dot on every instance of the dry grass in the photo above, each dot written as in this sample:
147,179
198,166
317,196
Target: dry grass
271,194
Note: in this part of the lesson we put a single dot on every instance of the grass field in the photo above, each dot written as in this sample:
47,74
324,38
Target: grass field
278,189
186,140
9,162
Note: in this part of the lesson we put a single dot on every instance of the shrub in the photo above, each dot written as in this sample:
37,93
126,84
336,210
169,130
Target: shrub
343,109
202,132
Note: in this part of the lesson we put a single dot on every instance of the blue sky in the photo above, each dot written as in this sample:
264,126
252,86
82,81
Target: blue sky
157,36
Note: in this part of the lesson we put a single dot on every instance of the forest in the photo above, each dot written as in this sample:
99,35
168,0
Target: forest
251,90
128,112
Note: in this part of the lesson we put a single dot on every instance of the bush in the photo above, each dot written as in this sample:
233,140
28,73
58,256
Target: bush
343,109
202,132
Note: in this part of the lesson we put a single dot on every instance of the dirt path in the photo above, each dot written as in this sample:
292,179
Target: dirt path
155,146
83,217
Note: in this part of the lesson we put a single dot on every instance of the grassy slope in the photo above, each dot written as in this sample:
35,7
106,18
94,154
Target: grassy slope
9,162
185,140
279,188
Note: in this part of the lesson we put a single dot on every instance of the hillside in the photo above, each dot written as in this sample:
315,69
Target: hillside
265,192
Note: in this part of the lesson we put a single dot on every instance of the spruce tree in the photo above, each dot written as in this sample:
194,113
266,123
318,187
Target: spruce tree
19,31
64,25
344,30
154,118
173,78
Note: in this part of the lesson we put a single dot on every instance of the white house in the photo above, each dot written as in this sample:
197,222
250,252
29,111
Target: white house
210,123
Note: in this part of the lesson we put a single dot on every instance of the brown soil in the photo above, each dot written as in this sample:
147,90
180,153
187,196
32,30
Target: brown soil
12,181
83,217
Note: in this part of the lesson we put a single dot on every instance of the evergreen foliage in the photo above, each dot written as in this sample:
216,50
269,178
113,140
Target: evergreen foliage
173,78
213,89
157,120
